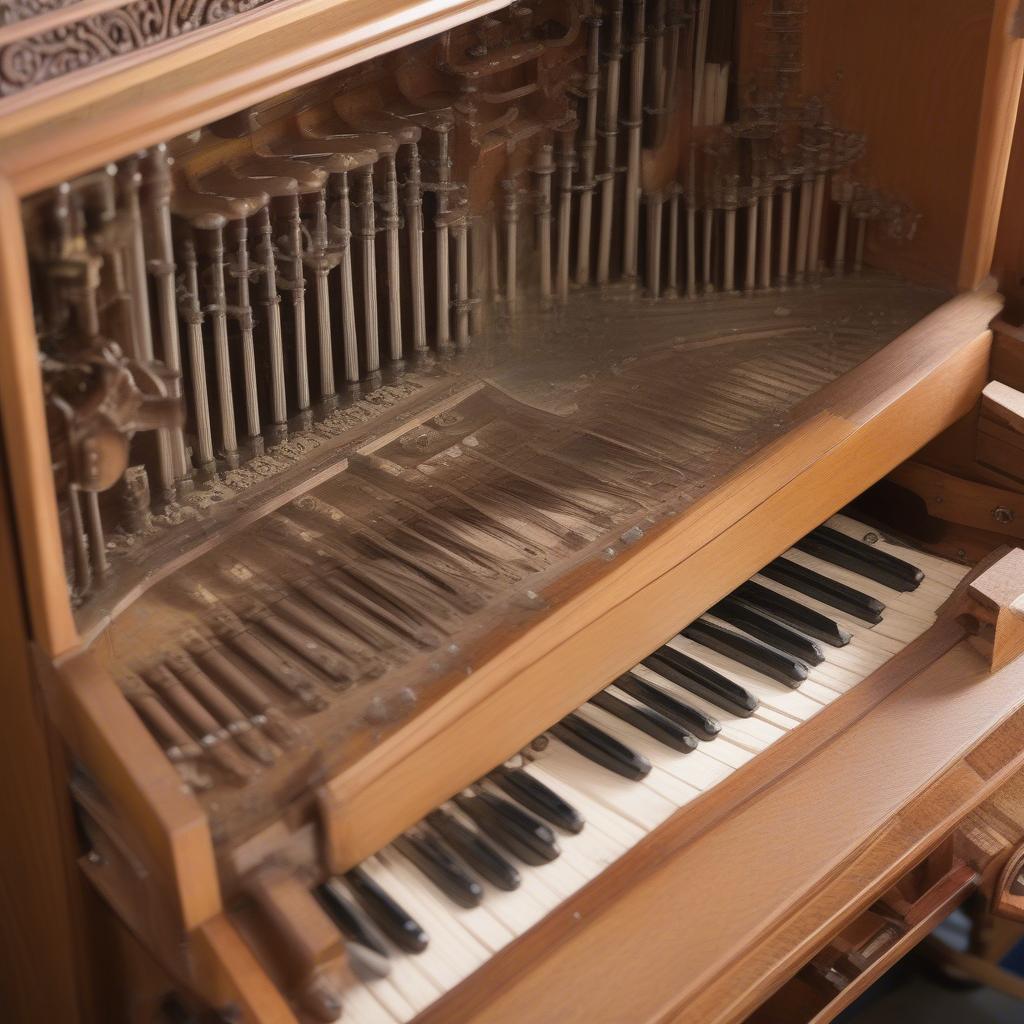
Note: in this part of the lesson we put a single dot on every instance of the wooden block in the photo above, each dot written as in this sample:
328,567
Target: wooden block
1004,405
996,599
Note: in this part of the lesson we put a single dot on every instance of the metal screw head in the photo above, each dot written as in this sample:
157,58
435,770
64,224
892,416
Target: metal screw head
1002,514
870,538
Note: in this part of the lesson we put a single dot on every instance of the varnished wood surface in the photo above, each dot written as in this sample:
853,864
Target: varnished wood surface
39,925
948,168
771,857
27,444
999,100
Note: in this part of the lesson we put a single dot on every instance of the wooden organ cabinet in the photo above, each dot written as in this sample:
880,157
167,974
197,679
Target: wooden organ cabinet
511,511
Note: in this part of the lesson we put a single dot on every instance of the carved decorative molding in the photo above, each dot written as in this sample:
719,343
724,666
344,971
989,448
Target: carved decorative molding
13,11
89,41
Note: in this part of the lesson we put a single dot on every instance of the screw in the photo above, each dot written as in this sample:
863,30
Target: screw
1001,514
870,538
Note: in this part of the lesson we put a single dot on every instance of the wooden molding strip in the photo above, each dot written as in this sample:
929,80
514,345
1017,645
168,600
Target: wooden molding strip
27,443
1001,95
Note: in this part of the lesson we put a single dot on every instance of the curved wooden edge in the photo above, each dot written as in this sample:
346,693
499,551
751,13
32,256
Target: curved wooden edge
996,120
27,444
72,126
134,775
604,619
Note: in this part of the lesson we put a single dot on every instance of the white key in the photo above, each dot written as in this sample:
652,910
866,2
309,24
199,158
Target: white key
452,952
933,566
753,734
361,1007
490,933
660,781
696,770
773,695
616,829
641,805
388,995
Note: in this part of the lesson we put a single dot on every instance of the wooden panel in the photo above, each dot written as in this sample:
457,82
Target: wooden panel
948,166
37,910
883,412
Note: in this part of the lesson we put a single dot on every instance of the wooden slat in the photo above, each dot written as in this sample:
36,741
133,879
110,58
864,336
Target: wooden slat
27,445
884,411
1004,66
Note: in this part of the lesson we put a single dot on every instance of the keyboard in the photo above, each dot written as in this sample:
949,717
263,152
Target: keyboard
428,910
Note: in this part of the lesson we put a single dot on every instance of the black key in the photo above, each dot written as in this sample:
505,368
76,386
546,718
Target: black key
351,921
389,915
602,749
512,827
476,851
444,870
691,675
537,797
658,727
807,620
783,668
768,631
703,726
836,547
821,588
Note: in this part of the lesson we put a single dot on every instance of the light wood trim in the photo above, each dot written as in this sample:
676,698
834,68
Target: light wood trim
670,928
27,444
887,856
1003,404
1003,72
132,772
890,406
74,124
226,972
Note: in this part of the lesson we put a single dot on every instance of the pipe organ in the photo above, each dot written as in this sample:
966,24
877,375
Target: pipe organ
480,477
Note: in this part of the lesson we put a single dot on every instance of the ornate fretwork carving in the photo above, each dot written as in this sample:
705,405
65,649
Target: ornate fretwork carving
13,11
87,42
